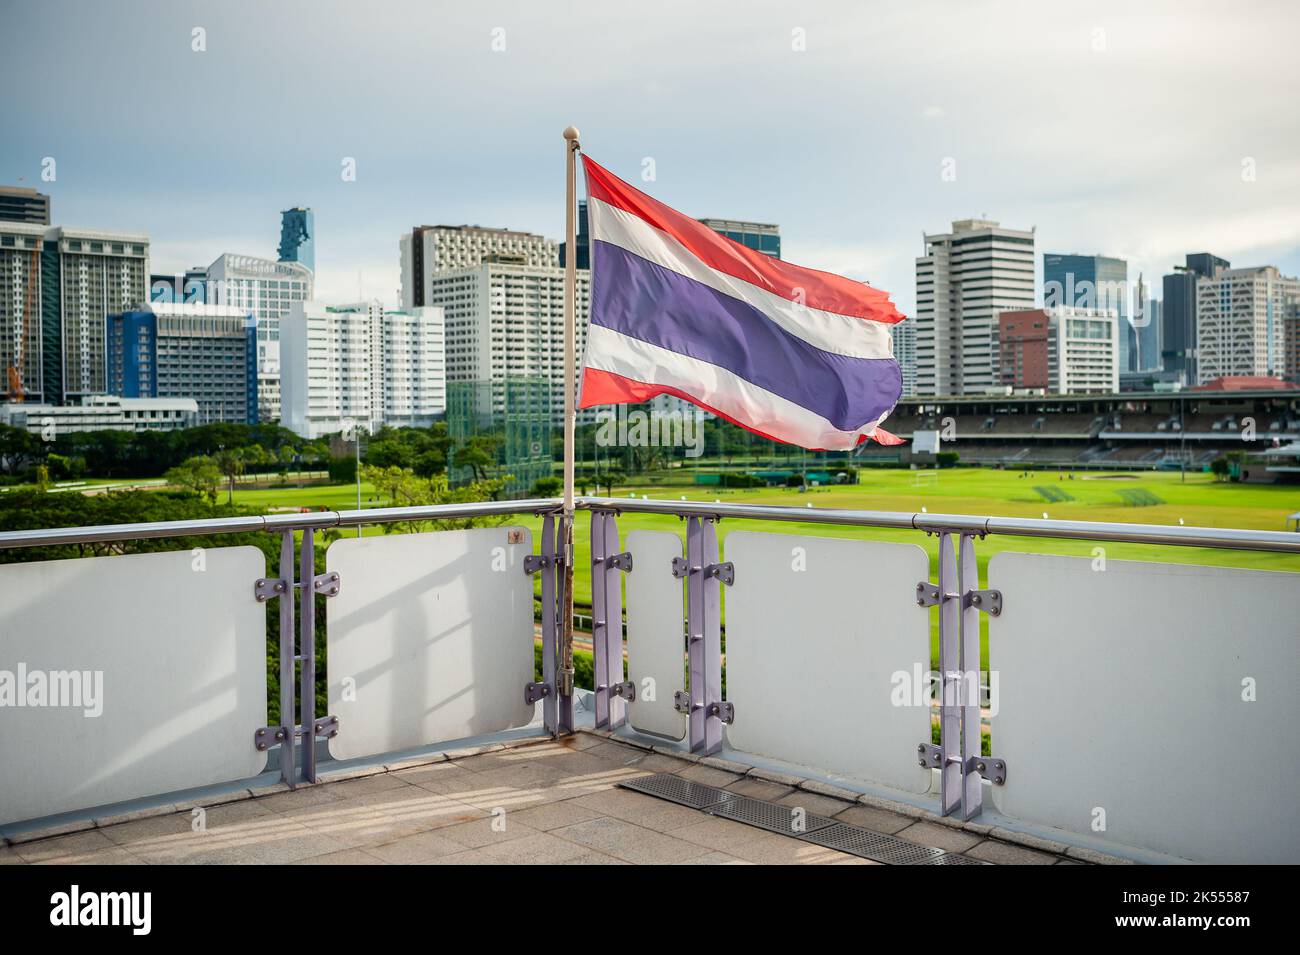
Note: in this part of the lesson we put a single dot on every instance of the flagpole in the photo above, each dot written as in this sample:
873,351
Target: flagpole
571,147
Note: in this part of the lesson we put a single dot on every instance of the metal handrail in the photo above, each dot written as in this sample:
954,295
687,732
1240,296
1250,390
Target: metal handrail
1226,538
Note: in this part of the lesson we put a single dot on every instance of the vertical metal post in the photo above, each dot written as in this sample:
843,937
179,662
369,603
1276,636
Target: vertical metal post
550,617
950,734
712,633
565,683
695,632
307,652
287,656
972,791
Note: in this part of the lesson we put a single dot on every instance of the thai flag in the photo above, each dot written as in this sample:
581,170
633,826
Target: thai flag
794,354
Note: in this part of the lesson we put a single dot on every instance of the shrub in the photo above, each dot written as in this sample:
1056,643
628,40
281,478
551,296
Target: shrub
947,459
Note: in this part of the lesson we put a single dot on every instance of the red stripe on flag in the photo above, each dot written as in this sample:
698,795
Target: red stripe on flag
822,290
600,387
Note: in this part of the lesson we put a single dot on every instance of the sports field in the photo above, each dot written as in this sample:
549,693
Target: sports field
1144,498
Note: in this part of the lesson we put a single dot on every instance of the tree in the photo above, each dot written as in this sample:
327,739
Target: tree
479,455
404,488
199,474
19,449
1220,468
231,465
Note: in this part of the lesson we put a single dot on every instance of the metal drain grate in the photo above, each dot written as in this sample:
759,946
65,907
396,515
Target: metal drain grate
678,790
872,845
770,816
949,858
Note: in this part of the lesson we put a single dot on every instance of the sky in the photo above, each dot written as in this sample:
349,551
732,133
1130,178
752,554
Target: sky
1142,131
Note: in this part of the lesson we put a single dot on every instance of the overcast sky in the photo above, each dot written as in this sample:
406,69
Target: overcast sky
1138,130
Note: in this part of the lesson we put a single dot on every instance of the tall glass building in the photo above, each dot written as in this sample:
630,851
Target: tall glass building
298,236
753,235
1092,281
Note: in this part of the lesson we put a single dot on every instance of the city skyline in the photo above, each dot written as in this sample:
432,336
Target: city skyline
1117,173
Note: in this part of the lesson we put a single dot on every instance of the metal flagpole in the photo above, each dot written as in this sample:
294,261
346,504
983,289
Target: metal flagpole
571,147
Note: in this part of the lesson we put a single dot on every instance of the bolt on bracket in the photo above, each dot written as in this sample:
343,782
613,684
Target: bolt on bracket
725,572
723,711
535,563
990,601
682,702
626,690
621,562
927,594
992,768
325,727
929,756
535,691
267,736
267,588
327,584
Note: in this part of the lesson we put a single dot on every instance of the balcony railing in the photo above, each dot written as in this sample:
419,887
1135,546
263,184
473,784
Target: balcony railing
1138,707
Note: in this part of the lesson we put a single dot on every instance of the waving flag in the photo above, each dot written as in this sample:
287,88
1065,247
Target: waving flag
794,354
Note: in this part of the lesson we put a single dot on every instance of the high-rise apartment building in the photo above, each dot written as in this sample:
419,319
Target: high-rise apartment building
1060,350
428,250
903,336
20,204
362,365
966,277
20,311
187,350
760,236
298,236
505,321
1242,322
1178,344
267,290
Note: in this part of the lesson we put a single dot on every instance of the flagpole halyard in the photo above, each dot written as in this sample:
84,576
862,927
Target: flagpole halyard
566,673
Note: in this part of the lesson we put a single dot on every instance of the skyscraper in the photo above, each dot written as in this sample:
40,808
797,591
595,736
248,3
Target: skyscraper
1093,281
966,277
1178,314
760,236
903,336
429,249
581,241
1241,322
187,350
19,204
265,289
298,236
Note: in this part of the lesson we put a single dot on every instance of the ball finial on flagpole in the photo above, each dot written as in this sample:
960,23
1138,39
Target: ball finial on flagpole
571,133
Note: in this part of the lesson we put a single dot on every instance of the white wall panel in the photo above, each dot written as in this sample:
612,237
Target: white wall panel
656,633
430,638
179,645
1120,691
818,631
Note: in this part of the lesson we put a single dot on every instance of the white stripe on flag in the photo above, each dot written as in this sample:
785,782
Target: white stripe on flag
727,393
838,334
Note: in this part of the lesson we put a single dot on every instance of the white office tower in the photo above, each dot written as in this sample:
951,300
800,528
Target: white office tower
505,323
266,289
429,249
363,365
966,277
903,336
1241,322
1083,351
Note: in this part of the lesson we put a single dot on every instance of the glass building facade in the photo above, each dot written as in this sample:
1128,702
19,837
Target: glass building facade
298,236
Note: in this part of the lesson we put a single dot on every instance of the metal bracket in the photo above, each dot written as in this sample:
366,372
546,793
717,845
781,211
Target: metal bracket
535,691
723,711
990,601
680,567
725,572
929,756
265,737
992,768
327,584
267,588
536,563
626,690
682,701
621,561
927,594
326,727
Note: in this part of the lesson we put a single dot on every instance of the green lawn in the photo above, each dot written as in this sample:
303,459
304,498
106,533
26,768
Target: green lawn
1200,501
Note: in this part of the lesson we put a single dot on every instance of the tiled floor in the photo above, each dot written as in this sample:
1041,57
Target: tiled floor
535,803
